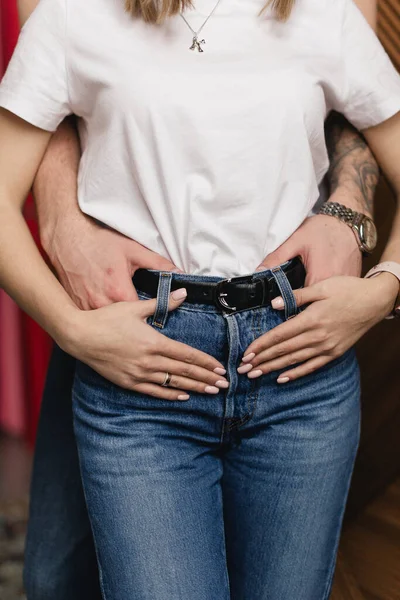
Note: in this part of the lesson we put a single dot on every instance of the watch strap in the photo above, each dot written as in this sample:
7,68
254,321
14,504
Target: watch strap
342,212
387,267
348,216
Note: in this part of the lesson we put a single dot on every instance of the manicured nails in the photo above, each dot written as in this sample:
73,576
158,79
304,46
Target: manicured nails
183,397
283,379
179,294
248,357
254,374
211,389
244,369
277,302
219,371
222,383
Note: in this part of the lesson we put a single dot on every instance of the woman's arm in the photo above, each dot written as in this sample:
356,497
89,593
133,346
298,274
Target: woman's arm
341,309
24,274
369,10
135,360
94,263
384,141
25,9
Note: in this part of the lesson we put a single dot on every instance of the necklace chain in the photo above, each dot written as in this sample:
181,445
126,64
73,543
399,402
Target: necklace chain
196,43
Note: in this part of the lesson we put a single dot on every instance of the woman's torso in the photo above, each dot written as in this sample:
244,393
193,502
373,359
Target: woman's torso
212,159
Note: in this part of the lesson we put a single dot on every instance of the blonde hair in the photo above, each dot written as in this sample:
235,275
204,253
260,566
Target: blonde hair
155,11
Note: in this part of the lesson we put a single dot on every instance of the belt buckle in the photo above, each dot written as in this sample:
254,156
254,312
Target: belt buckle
221,293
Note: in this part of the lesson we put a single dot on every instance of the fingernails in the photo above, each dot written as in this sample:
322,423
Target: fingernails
222,384
244,369
183,397
179,294
283,379
211,389
254,374
248,357
219,371
277,302
261,268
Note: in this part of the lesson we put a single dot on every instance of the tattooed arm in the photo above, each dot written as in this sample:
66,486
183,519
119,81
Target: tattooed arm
327,246
353,174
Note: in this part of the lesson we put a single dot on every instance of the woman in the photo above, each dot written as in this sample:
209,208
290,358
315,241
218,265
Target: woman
203,140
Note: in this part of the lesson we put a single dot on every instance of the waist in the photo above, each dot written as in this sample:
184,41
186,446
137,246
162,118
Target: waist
228,295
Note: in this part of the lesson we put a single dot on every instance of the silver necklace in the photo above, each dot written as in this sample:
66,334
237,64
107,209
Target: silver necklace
196,43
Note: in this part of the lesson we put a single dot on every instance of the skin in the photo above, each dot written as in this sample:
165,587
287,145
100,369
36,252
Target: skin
95,278
340,309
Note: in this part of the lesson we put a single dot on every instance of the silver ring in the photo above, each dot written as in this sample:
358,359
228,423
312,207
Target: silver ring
167,380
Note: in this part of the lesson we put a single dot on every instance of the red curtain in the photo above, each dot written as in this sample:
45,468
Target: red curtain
24,347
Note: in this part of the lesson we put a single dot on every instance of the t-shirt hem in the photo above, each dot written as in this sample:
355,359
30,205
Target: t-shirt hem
23,108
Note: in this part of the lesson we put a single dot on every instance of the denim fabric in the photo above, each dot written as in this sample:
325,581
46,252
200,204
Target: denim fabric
286,292
237,496
163,291
60,559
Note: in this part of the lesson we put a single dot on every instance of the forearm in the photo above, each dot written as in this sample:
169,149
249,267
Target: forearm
353,173
55,186
26,277
25,8
392,248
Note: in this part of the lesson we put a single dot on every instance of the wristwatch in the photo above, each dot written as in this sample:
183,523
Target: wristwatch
388,267
362,225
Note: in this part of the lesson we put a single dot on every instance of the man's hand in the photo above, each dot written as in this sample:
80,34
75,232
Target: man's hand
95,264
326,246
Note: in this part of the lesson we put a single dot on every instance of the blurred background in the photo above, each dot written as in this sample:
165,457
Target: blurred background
369,560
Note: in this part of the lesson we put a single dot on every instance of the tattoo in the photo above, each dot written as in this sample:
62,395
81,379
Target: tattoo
352,164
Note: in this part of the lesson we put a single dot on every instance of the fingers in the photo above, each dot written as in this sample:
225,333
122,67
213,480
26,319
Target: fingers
304,369
285,349
164,393
285,252
189,371
146,308
302,296
188,355
278,335
186,376
189,385
142,257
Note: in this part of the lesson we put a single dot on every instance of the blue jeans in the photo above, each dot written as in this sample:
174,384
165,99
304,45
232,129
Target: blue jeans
238,496
60,559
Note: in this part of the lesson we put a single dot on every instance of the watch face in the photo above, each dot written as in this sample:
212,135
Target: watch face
368,234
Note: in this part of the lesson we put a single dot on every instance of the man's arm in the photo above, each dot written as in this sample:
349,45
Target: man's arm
327,246
353,173
97,270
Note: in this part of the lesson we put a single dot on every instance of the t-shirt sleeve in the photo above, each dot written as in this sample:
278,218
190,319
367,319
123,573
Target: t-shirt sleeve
35,86
370,85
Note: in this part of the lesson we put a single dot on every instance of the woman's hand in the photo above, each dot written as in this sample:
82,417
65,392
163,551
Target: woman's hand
341,309
117,342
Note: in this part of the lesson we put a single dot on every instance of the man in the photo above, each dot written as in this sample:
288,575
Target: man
60,555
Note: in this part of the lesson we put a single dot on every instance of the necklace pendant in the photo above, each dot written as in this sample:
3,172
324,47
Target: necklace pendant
196,44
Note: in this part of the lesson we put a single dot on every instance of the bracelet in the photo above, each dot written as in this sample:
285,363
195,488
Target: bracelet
388,267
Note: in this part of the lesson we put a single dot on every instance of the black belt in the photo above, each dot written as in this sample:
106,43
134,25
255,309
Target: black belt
230,295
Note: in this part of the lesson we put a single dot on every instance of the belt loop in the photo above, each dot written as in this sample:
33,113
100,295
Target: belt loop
163,292
285,288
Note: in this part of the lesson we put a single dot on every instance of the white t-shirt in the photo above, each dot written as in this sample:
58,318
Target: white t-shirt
212,159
